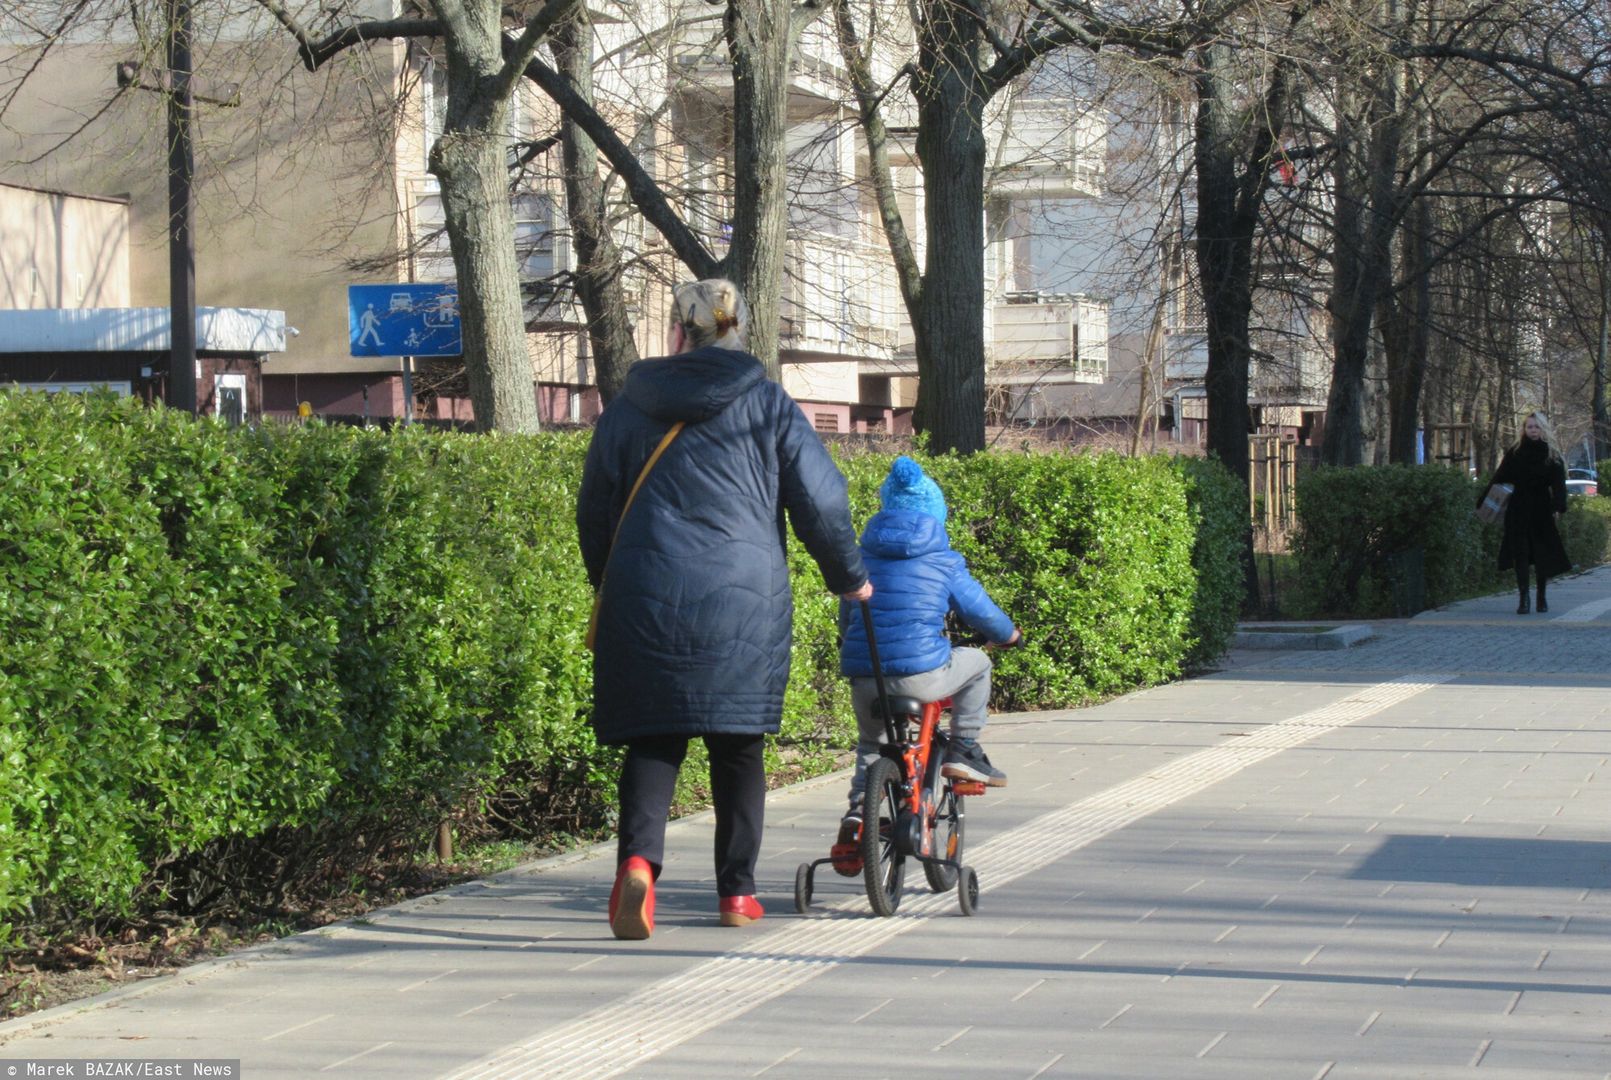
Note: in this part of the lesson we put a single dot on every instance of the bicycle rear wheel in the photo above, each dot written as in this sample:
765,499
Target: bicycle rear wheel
948,830
882,864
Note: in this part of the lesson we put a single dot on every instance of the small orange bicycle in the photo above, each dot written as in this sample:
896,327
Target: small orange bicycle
911,810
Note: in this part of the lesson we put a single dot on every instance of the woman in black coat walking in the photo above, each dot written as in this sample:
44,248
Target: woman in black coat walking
1534,469
695,614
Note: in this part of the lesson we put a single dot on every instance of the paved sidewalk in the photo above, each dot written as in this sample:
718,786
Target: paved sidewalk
1393,861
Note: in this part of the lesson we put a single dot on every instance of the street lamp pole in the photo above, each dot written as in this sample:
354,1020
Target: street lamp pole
181,208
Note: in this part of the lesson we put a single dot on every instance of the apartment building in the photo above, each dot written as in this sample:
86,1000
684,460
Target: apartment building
317,181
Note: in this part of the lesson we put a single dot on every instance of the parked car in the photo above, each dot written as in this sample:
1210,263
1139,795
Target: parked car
1582,473
1582,487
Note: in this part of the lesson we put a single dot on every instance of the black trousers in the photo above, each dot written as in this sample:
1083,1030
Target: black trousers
1524,557
737,784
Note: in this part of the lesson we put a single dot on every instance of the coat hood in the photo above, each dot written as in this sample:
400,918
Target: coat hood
694,386
903,534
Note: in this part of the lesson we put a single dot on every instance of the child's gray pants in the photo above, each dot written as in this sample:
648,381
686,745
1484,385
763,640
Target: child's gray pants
965,679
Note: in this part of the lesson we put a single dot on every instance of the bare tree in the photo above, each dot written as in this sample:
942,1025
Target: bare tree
761,37
469,159
598,260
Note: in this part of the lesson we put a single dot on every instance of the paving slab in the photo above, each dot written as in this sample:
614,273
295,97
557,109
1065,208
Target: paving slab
1386,861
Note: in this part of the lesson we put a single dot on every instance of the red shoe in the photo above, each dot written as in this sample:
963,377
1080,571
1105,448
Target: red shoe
632,900
846,851
741,910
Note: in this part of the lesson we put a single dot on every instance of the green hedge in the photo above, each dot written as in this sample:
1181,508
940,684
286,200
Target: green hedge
1381,540
1375,540
1585,531
242,659
1218,504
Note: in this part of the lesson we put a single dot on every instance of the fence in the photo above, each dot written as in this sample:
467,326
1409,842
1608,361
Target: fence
1272,477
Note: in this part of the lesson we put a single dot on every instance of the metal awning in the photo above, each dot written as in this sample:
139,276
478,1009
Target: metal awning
92,330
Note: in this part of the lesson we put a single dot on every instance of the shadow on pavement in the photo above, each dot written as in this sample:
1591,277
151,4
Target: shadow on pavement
1490,860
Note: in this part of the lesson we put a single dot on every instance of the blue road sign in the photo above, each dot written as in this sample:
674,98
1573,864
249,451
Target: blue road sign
404,320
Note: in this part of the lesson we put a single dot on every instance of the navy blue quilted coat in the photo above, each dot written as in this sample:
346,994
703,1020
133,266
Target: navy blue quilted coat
696,619
917,579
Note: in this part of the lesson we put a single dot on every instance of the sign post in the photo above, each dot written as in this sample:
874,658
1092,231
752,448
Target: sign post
404,320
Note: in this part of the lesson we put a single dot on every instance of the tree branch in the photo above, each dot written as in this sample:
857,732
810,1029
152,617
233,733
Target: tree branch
1091,31
644,190
455,20
868,99
518,53
315,53
1493,58
804,13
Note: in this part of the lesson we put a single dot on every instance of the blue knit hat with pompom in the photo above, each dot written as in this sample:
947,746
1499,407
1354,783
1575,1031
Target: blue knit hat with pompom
908,487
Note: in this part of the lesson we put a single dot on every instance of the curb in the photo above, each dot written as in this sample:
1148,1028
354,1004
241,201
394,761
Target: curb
1271,636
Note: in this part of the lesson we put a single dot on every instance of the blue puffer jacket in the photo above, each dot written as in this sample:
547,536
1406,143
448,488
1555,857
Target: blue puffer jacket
917,579
696,618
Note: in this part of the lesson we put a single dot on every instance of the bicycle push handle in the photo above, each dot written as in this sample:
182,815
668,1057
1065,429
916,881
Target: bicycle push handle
878,672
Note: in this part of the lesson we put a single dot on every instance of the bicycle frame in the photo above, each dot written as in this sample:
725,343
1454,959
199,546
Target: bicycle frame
923,788
917,795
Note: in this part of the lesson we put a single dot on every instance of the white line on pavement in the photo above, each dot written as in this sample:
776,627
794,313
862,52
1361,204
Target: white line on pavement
639,1027
1585,612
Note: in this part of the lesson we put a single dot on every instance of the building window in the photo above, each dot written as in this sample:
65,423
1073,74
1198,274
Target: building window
535,249
825,422
229,398
534,236
1185,313
433,258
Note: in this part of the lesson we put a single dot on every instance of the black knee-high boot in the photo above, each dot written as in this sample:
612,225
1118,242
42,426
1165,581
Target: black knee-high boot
1522,607
1543,605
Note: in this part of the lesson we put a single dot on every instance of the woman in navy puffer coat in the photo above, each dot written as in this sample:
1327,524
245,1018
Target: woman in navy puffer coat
695,614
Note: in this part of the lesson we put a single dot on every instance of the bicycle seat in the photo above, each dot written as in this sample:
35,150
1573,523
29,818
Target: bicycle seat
901,706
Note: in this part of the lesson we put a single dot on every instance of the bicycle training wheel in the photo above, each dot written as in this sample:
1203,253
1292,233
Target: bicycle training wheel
947,843
803,887
882,864
968,891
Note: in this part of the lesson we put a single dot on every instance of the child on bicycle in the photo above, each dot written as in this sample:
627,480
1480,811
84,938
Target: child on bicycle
917,579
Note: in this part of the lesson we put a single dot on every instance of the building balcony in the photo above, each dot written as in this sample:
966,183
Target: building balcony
1049,149
1048,338
817,71
840,301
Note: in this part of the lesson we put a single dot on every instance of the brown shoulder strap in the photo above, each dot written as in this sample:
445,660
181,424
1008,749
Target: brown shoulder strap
598,597
665,441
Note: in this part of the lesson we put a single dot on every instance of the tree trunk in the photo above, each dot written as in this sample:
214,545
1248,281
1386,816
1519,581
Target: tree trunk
598,260
1602,422
469,161
949,323
1344,440
1224,240
1232,175
1406,333
760,36
1367,205
1365,218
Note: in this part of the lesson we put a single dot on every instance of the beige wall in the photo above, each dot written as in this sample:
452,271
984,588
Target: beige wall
59,250
291,186
822,382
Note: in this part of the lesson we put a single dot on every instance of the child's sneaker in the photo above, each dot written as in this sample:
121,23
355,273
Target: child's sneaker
966,760
846,851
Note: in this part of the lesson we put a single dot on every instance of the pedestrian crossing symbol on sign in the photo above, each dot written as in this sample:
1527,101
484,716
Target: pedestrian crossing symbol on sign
404,320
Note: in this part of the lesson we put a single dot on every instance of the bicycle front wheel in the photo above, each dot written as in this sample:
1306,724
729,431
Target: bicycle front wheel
882,864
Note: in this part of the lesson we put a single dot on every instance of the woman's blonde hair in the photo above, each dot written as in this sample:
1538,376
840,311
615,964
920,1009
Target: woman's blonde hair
1544,426
711,312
